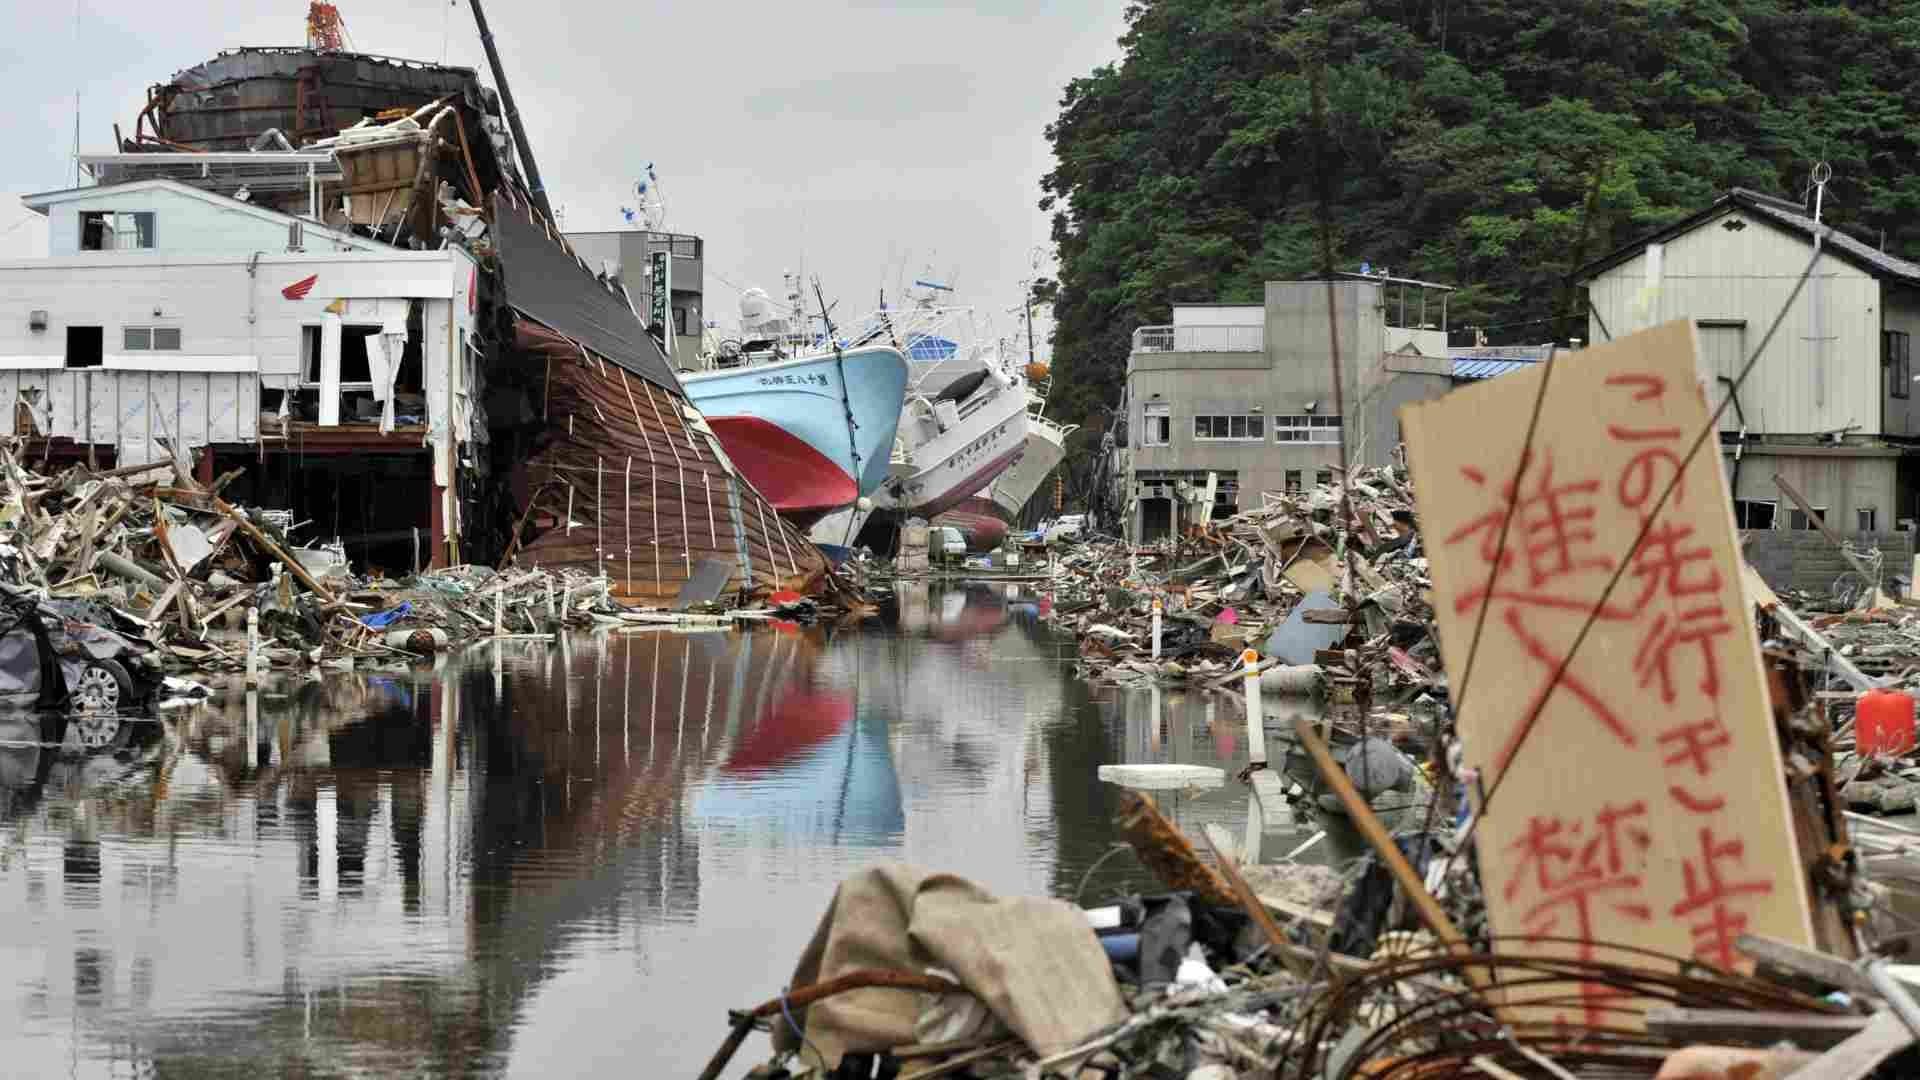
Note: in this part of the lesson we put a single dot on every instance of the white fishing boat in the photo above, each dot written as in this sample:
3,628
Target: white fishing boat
956,442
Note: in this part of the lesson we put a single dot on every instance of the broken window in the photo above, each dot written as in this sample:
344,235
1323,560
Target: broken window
1867,519
1242,427
111,230
1797,518
84,346
1755,513
1324,476
354,368
1896,352
150,338
1158,429
1293,481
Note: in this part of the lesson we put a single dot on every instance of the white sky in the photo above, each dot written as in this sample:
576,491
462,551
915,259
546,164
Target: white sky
869,140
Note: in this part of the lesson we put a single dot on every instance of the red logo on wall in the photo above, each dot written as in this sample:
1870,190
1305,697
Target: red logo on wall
299,289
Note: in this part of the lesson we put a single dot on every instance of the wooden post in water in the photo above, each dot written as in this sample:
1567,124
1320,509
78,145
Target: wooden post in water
253,647
1156,628
1256,727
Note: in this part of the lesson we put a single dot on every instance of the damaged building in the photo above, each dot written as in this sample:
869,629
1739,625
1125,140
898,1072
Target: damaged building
297,271
1245,393
1830,406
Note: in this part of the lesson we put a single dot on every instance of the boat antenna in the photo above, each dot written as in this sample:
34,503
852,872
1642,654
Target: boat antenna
534,187
825,319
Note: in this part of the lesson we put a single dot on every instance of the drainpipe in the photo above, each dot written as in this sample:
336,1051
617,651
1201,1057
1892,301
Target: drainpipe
1739,447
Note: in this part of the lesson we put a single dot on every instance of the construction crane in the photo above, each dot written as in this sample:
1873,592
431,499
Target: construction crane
325,29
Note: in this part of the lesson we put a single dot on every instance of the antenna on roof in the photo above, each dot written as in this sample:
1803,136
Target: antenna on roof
1822,172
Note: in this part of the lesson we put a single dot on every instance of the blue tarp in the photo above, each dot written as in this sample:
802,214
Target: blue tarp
380,620
930,347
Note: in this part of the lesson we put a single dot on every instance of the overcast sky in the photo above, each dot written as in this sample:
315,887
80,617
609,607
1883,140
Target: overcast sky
868,139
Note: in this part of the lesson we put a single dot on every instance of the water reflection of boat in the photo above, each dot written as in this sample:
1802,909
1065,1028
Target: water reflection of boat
810,769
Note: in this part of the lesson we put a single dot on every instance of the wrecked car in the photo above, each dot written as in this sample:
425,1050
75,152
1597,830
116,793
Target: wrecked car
56,654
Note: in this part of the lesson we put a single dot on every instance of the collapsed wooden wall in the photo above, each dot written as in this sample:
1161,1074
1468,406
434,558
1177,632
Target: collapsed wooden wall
633,484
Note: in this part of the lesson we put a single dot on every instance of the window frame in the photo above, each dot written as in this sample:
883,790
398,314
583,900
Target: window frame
1866,519
1742,514
152,344
1312,427
1294,482
111,224
1151,412
1217,422
1896,353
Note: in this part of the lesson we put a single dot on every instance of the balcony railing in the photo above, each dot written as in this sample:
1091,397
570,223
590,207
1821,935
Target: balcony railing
1200,339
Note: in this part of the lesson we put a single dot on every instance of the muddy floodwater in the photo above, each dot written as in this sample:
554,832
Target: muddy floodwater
539,859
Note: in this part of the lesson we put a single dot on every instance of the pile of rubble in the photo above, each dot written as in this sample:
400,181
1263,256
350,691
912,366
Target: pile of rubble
1325,606
164,567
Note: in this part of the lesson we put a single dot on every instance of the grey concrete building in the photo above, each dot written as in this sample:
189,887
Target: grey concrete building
1246,392
629,254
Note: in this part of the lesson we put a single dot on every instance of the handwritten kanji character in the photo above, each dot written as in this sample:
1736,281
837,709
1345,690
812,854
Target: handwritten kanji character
1698,627
1552,527
1661,564
1538,650
1558,880
1690,743
1651,387
1640,476
1708,891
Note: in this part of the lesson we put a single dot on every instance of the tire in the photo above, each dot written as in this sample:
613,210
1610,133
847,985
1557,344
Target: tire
102,686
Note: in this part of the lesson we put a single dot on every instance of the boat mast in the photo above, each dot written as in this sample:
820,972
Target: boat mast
534,186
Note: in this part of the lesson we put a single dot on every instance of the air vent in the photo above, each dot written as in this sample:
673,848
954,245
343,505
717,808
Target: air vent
296,236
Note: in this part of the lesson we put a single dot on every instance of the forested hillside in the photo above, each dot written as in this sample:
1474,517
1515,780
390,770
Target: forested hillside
1484,143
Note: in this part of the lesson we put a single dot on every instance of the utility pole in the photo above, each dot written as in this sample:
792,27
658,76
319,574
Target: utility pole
534,186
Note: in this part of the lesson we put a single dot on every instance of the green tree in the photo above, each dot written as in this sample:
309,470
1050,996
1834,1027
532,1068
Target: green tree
1494,144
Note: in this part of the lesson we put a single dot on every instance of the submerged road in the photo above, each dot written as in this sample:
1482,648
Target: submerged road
544,859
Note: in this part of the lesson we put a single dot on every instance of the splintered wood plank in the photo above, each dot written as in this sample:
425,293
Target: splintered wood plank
1641,800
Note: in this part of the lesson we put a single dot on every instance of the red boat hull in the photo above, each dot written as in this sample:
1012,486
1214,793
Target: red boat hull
801,482
979,523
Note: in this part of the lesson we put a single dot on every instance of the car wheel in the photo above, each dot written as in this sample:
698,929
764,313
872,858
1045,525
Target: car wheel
103,686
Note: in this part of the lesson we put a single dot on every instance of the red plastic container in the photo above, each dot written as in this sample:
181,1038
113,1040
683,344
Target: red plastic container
1884,722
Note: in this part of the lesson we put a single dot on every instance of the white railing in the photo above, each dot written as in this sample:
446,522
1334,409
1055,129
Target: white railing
1200,339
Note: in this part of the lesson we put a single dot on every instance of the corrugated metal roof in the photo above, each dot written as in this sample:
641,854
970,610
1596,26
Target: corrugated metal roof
1874,259
1778,212
1486,367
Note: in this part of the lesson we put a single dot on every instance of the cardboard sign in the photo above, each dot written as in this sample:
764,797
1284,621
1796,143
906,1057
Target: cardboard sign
1646,805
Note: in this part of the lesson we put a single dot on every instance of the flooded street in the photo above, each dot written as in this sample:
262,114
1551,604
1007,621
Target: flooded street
541,858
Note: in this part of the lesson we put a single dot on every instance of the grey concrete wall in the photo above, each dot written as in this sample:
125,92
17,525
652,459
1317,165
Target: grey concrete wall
1837,478
1803,559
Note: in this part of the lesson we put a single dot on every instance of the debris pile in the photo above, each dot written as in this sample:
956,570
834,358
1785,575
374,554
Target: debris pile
1328,608
147,554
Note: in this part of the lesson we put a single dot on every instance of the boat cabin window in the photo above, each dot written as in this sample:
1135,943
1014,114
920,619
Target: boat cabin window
116,230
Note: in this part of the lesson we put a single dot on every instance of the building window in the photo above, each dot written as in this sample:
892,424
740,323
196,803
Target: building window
1293,481
109,230
1306,428
1241,428
1867,519
1323,477
1158,430
84,346
1896,352
1797,518
1755,513
150,339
